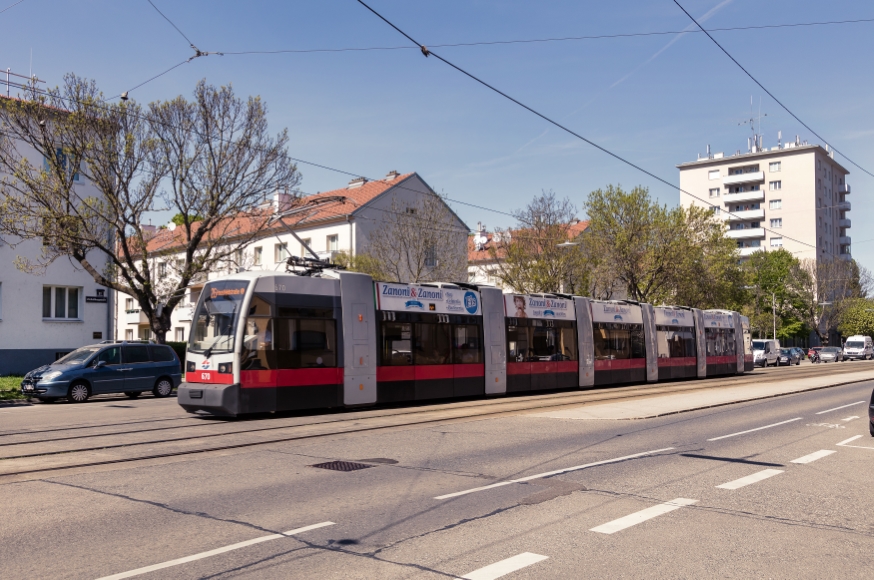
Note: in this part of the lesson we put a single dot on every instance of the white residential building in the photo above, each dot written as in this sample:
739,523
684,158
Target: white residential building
343,226
792,196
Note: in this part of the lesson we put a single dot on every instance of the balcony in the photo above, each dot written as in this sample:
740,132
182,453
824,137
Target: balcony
185,313
845,188
758,176
746,233
744,252
745,196
844,223
135,316
845,206
844,240
749,214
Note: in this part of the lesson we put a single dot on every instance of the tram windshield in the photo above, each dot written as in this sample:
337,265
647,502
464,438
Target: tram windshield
215,321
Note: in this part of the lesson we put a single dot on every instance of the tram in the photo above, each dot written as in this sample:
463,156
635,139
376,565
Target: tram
268,342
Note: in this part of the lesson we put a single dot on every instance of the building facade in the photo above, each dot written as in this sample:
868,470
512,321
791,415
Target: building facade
342,226
792,196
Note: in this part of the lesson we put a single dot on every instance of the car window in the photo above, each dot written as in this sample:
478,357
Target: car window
111,356
162,354
136,354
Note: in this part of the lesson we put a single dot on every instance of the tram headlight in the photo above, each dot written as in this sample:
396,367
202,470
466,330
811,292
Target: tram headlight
190,367
224,368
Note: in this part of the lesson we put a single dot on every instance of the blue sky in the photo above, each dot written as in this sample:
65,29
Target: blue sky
657,100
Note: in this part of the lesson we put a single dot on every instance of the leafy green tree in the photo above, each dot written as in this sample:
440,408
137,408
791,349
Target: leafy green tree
857,317
775,283
361,262
181,218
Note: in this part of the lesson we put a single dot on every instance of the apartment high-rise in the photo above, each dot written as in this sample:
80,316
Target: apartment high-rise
770,198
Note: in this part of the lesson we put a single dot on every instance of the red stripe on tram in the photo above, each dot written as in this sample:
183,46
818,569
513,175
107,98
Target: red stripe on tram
620,364
722,360
291,378
428,372
680,361
211,377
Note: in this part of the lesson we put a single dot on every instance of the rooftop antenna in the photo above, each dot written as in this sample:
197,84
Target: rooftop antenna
755,143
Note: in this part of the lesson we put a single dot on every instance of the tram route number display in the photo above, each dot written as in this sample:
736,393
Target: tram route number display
549,307
410,298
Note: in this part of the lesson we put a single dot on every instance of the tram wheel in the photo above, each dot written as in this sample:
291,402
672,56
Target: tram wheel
163,388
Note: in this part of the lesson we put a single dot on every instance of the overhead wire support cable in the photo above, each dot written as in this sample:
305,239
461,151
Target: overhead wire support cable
428,52
770,94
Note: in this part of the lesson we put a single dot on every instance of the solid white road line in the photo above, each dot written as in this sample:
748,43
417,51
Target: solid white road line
550,473
504,567
215,552
743,481
841,407
814,456
850,418
845,441
643,515
756,429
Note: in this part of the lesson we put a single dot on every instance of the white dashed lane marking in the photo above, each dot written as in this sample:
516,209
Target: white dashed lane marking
850,418
754,478
551,473
642,516
756,429
217,551
841,407
814,456
504,567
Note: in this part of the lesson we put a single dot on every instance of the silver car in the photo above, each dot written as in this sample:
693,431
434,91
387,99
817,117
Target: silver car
831,354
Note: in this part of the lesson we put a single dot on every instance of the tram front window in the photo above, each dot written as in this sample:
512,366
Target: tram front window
215,321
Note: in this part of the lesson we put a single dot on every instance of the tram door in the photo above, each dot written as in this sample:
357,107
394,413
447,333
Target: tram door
700,343
495,341
649,333
359,339
585,342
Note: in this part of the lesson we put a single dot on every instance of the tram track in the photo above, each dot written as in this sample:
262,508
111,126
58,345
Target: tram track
369,421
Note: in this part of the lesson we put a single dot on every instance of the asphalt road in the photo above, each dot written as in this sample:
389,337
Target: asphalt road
712,493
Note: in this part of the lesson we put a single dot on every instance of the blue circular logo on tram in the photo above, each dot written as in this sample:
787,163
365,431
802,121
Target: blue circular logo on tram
471,304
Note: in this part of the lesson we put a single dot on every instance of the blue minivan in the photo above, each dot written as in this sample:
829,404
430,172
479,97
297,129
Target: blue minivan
129,368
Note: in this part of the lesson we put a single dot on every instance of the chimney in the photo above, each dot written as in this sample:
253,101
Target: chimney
281,202
391,175
357,182
148,230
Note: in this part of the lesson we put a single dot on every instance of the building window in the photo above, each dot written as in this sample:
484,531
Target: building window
714,174
744,169
145,333
128,303
776,204
714,192
333,243
256,256
774,167
776,242
193,296
162,269
129,334
777,223
775,185
179,334
430,257
304,253
60,302
280,252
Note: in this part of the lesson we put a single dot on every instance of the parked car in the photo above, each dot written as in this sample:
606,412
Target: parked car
859,347
99,369
831,354
788,356
800,352
765,352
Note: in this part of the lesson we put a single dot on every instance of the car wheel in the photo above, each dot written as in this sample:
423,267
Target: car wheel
163,388
871,428
132,394
78,393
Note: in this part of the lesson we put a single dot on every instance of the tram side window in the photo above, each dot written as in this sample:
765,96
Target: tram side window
518,344
675,341
466,344
305,343
258,344
397,340
541,343
618,341
720,341
432,344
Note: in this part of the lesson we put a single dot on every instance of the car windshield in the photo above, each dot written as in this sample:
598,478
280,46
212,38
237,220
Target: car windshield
785,351
855,344
78,356
830,349
215,321
758,345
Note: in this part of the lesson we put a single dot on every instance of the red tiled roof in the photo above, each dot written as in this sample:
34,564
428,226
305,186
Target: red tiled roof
356,198
484,255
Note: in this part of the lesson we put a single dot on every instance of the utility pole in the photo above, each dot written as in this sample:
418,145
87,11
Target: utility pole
774,312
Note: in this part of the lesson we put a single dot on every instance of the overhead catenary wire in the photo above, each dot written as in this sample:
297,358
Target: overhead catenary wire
770,94
427,52
11,6
158,10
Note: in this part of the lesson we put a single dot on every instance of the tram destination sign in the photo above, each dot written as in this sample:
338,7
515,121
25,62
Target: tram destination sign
673,317
549,307
412,298
617,312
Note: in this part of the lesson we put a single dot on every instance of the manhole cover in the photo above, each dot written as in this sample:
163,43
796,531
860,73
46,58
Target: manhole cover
341,465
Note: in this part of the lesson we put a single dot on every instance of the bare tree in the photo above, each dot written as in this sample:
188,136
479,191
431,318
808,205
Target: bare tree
418,241
211,160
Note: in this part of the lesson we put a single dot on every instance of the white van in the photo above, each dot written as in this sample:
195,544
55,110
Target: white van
765,352
859,347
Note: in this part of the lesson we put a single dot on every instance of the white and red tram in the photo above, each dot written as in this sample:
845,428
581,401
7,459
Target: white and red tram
265,342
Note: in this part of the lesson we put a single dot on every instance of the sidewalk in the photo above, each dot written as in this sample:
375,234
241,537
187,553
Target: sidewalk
657,406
